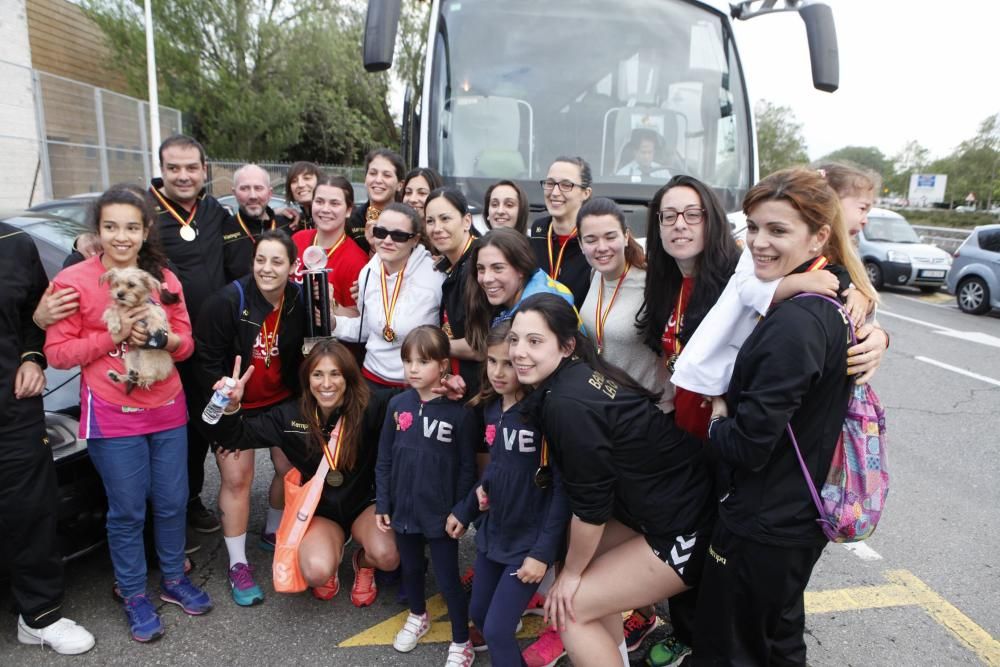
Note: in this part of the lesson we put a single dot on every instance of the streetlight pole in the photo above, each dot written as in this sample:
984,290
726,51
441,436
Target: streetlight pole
154,97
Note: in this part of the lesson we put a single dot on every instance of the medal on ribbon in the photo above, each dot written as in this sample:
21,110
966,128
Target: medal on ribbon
335,478
389,306
543,476
187,231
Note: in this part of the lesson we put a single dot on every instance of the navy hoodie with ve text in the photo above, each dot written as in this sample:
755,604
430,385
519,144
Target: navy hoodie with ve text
426,462
522,519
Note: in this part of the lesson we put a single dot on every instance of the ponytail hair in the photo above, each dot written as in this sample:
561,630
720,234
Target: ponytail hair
634,254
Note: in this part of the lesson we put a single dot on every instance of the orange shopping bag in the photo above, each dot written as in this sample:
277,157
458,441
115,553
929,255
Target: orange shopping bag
300,505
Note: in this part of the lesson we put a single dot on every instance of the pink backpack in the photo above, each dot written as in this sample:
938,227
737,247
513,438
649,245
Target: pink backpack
853,495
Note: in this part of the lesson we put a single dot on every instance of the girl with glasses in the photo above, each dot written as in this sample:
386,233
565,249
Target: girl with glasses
399,290
565,187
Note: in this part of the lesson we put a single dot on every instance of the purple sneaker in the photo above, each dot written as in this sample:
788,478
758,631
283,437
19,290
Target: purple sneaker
189,597
246,593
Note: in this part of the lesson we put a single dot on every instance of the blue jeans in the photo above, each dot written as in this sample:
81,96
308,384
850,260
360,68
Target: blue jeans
135,468
444,556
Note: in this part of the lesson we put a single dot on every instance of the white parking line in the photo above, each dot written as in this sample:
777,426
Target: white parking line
960,371
863,551
968,336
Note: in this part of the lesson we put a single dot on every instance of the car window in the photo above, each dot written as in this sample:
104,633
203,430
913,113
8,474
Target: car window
990,240
60,233
74,212
894,230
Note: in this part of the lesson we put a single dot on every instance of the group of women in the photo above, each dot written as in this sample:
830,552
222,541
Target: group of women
596,485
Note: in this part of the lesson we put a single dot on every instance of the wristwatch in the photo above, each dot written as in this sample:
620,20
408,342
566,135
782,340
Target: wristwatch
36,357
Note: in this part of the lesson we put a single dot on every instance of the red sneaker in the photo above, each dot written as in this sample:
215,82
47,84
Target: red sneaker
637,628
536,605
364,591
328,590
546,651
466,580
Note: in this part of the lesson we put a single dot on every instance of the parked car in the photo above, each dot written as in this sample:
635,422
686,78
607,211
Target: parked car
894,254
82,501
73,208
974,278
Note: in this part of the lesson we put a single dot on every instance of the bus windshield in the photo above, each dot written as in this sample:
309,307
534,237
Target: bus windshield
643,90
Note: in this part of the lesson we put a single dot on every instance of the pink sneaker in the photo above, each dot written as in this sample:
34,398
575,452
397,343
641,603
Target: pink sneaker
536,605
546,651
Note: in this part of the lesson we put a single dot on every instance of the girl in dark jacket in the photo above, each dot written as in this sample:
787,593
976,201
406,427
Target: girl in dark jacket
261,319
426,467
791,371
525,511
637,485
334,390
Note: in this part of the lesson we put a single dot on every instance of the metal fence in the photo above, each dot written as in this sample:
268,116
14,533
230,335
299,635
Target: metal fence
91,137
220,175
946,238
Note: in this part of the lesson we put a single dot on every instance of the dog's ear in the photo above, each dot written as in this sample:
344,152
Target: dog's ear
151,284
108,276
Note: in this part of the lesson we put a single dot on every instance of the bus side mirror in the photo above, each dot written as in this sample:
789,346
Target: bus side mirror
823,54
381,24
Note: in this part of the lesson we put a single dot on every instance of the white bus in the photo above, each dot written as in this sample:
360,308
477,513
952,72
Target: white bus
509,85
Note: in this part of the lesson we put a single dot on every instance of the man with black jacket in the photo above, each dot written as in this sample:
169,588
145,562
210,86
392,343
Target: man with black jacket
191,228
28,487
252,189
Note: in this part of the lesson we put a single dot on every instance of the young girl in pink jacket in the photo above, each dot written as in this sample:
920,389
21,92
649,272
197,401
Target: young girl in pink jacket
137,439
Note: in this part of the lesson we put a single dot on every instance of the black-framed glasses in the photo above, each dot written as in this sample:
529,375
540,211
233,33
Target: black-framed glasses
692,215
396,235
549,184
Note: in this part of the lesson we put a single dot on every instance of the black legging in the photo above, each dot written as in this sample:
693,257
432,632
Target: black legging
444,556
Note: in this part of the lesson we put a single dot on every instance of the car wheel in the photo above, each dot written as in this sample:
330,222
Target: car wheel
874,274
973,296
929,289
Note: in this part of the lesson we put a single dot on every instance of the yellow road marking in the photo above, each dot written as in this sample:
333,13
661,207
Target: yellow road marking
903,590
383,633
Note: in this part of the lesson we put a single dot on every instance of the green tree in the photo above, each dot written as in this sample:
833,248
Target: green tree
867,157
780,143
248,74
912,159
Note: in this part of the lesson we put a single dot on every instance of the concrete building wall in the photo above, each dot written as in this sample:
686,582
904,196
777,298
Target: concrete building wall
19,149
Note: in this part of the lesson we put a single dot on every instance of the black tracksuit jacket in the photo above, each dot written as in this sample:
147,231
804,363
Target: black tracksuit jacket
792,369
620,456
574,272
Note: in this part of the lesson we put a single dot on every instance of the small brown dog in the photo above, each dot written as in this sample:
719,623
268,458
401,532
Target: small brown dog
143,365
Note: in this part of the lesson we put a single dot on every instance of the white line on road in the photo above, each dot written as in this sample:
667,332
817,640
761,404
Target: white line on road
863,551
960,371
969,336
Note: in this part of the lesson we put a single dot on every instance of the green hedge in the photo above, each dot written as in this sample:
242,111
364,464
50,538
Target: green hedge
939,218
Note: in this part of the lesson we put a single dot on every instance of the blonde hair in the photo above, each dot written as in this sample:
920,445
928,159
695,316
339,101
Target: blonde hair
848,179
809,193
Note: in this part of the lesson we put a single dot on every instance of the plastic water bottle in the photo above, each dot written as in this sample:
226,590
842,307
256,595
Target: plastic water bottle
220,399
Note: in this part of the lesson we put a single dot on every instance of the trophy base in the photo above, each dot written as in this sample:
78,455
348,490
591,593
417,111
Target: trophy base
309,342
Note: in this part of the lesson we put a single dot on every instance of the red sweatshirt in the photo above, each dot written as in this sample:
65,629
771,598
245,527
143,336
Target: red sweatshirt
82,339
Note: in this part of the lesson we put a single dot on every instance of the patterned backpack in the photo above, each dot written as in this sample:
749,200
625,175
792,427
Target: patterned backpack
853,495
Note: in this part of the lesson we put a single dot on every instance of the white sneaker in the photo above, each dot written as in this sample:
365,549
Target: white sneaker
460,655
64,636
416,626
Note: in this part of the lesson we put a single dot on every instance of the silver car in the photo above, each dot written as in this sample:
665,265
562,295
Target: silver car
974,278
894,254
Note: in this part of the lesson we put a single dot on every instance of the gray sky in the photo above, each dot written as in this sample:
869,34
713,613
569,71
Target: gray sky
909,69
